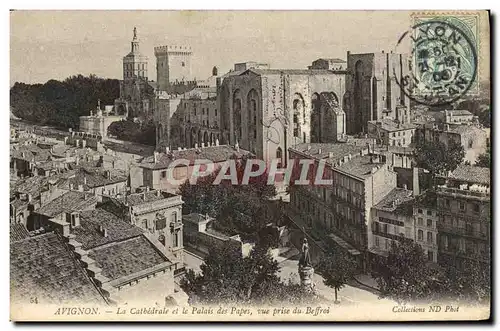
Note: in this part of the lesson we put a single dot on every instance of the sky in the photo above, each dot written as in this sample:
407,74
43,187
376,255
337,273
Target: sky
56,44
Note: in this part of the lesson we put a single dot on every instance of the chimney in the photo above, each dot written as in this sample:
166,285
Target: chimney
330,155
167,150
416,183
202,144
30,197
179,148
350,157
84,143
158,193
105,233
405,186
85,180
77,142
80,188
216,142
393,159
74,219
70,186
144,195
108,174
237,146
77,159
319,150
155,155
308,147
65,140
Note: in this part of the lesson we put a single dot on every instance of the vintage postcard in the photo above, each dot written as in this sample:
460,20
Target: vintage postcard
244,166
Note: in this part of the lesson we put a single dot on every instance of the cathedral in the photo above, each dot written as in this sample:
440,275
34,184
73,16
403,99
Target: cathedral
137,94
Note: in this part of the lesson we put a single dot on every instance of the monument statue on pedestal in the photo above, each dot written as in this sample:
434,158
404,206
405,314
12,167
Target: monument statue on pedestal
306,271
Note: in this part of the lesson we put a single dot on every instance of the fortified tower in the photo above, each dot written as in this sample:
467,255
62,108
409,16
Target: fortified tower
135,65
173,65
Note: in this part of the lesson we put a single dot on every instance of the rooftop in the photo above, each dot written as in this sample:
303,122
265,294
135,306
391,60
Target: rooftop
67,203
471,174
144,197
130,148
18,232
337,150
96,177
42,267
397,199
333,60
390,125
360,166
89,233
214,153
126,257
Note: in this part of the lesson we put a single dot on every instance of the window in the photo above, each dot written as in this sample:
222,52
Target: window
377,241
430,256
475,208
429,237
173,217
387,244
429,223
420,211
462,205
183,64
176,239
164,174
447,203
144,224
420,235
254,134
429,212
384,227
420,221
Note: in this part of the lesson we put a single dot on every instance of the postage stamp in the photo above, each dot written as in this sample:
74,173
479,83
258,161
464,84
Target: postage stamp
444,58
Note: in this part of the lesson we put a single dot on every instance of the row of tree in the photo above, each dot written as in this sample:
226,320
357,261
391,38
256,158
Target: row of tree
61,103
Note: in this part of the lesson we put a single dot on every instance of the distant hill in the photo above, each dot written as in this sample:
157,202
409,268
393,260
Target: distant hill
62,103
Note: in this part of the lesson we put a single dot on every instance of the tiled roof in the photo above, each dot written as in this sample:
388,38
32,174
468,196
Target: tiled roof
471,174
339,150
213,153
68,202
18,232
398,198
30,152
390,125
96,177
89,234
140,198
19,204
42,267
31,185
360,166
126,257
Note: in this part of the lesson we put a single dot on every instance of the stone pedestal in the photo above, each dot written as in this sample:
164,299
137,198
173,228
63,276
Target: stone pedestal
306,277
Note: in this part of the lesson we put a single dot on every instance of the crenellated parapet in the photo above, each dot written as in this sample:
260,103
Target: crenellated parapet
173,49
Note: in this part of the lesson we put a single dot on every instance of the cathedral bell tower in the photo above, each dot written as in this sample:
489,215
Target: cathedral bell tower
135,65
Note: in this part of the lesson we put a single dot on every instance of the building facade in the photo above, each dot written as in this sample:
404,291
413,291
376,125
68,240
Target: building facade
373,88
268,111
463,202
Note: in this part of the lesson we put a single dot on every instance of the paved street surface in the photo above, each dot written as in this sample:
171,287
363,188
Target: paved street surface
348,294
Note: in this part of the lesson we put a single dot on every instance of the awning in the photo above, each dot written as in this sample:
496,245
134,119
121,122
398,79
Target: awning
342,243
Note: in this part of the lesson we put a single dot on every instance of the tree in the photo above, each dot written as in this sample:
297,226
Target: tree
337,269
405,274
62,103
227,278
484,160
468,280
437,157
